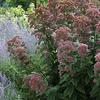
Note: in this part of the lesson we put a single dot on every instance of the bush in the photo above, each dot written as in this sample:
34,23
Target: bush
68,33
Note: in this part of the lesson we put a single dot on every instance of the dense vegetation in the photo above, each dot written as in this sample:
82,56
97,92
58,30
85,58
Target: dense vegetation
25,3
49,50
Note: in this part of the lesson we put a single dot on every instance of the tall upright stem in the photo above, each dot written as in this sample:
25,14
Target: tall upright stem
35,3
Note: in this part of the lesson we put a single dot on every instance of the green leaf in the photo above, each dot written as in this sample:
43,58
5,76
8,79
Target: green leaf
69,91
80,88
64,78
52,93
95,91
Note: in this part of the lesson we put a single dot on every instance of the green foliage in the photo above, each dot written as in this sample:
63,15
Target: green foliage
15,14
16,73
25,3
11,93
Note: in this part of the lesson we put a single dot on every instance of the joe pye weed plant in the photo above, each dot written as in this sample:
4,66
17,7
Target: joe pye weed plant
69,33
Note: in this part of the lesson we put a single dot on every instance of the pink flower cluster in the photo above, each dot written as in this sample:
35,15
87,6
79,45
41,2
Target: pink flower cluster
82,25
97,51
63,50
63,4
36,83
98,27
82,49
97,64
90,5
16,42
93,13
17,48
58,7
97,57
61,33
46,16
60,17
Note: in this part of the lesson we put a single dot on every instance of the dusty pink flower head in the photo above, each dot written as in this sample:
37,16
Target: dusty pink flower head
98,27
93,14
60,17
19,50
82,49
97,65
82,24
70,58
61,34
16,41
97,51
97,57
97,68
64,5
90,5
98,42
64,48
36,83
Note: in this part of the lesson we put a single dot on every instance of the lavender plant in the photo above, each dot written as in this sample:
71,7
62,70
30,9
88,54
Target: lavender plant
7,90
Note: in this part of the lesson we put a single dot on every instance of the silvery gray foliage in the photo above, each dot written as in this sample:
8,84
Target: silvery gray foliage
10,29
7,91
1,93
4,54
4,82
